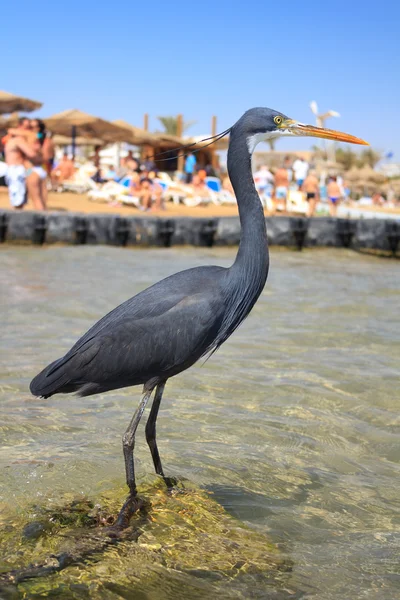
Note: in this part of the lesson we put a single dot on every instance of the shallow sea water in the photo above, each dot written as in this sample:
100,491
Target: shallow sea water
293,427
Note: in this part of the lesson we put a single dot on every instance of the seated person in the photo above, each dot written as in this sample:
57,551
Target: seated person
202,174
198,187
134,185
63,171
110,174
150,190
378,199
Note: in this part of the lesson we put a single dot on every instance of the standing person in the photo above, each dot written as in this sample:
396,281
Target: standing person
333,195
287,163
49,152
190,165
311,188
17,151
264,180
300,170
281,187
36,174
209,169
96,159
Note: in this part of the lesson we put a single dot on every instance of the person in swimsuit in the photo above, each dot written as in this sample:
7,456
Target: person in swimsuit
334,195
48,153
281,188
17,151
311,188
36,174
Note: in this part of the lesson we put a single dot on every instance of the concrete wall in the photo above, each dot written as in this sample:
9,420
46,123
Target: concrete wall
77,228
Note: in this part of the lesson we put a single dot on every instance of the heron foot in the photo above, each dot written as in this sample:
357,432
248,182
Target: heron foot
132,504
170,482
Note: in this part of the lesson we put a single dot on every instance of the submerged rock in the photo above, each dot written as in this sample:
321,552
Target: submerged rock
183,536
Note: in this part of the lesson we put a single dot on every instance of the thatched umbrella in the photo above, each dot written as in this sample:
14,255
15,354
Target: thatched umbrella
63,140
367,173
10,121
170,141
138,136
86,125
73,122
11,103
201,141
352,174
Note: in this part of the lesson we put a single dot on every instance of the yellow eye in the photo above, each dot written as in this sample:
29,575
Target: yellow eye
278,120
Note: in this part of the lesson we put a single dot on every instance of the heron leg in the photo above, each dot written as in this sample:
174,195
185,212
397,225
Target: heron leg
128,442
151,429
151,436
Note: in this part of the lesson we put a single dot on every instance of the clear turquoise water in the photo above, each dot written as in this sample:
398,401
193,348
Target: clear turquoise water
294,424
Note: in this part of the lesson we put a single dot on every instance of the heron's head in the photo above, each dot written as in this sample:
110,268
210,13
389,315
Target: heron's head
263,124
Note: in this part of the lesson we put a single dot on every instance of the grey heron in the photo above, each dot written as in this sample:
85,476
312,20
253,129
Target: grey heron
168,327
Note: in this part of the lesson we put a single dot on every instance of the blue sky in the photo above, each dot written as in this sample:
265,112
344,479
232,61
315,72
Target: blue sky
122,59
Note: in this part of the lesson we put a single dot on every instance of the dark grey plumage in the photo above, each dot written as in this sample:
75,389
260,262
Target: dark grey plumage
166,328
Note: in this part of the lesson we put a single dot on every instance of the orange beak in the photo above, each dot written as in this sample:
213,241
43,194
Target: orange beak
329,134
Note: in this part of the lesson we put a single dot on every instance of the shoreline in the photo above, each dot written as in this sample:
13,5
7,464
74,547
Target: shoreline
69,202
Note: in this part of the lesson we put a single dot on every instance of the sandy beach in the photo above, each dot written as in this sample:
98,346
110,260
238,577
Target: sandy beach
68,201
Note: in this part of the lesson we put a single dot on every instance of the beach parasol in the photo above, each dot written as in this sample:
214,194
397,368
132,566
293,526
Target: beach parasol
352,174
137,136
367,173
11,103
9,121
64,140
75,122
168,140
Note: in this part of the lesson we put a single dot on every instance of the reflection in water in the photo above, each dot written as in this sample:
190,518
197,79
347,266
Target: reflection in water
293,425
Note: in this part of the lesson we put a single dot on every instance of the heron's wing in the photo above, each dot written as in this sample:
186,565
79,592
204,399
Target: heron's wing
158,299
166,327
136,351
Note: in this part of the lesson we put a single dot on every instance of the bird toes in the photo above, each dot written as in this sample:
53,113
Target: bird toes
131,505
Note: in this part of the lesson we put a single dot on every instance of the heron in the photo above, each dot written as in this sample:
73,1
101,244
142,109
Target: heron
169,326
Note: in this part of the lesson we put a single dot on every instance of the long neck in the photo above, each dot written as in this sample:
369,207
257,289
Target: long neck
247,276
253,248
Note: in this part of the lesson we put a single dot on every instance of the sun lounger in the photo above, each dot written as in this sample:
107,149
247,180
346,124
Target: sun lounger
296,202
81,182
107,191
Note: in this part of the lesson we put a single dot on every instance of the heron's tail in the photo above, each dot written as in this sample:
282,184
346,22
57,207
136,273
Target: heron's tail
52,380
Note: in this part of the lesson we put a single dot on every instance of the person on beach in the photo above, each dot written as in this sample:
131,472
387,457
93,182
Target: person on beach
36,174
281,188
17,153
334,195
63,171
311,188
287,163
300,170
34,133
264,181
49,152
190,166
150,190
